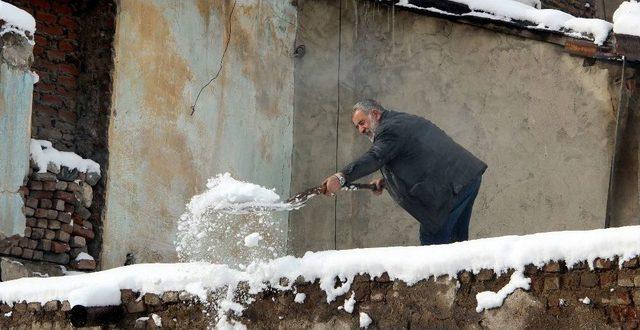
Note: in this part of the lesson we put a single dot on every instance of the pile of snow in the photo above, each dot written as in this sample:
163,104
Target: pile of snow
228,194
43,153
16,20
409,264
522,10
626,19
213,228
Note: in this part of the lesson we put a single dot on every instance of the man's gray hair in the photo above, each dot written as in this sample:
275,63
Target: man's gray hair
367,105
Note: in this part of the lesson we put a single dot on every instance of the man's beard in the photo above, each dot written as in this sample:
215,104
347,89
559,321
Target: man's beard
373,125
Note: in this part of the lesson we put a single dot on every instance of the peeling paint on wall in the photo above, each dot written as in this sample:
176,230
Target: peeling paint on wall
16,89
160,155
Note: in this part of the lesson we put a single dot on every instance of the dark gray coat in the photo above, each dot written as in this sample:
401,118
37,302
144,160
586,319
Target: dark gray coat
424,169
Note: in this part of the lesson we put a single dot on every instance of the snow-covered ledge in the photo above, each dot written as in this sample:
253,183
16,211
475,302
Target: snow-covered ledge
578,279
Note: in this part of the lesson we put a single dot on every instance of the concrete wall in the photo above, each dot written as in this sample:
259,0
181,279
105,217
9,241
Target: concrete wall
160,155
16,88
542,121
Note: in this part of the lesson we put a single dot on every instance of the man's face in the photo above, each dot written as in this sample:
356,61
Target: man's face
366,125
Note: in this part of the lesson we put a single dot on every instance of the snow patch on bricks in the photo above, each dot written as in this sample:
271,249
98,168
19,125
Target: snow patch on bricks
43,153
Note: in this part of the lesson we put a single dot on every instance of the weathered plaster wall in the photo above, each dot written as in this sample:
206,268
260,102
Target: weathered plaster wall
160,155
542,121
16,87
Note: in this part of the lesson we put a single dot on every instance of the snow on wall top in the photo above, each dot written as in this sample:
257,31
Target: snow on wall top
626,19
16,19
43,153
409,264
514,11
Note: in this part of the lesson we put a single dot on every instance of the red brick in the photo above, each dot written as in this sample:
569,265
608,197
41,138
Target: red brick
69,69
52,100
44,109
44,245
68,116
42,17
37,52
24,191
57,247
67,46
51,30
49,234
62,8
56,55
82,231
68,82
49,185
67,228
27,253
68,23
41,194
41,213
42,4
66,196
46,87
31,222
35,185
40,39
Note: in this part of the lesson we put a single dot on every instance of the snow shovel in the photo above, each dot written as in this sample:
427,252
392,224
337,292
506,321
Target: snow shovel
293,203
298,200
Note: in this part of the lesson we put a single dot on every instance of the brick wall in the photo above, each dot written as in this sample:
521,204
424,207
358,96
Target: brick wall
56,61
72,102
59,223
555,300
578,8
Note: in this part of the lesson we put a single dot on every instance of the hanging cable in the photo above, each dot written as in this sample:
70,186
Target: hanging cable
224,52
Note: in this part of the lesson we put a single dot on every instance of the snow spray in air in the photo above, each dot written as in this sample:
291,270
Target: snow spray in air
210,231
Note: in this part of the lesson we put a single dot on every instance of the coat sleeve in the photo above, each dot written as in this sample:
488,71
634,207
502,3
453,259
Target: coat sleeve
385,148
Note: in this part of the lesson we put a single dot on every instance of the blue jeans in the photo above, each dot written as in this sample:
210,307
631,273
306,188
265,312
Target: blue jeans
456,229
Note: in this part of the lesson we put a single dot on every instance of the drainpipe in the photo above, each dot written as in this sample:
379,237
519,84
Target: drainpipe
82,316
616,145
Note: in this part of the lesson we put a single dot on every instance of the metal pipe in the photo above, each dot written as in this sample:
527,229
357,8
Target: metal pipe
616,146
82,316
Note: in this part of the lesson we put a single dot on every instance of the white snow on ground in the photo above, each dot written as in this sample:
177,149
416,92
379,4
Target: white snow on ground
546,19
350,303
300,297
43,153
16,19
626,19
585,300
84,256
409,264
252,240
488,299
365,320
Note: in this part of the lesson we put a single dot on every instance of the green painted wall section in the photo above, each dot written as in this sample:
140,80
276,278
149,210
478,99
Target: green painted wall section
16,89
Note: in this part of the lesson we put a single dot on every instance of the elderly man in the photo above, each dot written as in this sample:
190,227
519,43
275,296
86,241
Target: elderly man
427,173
